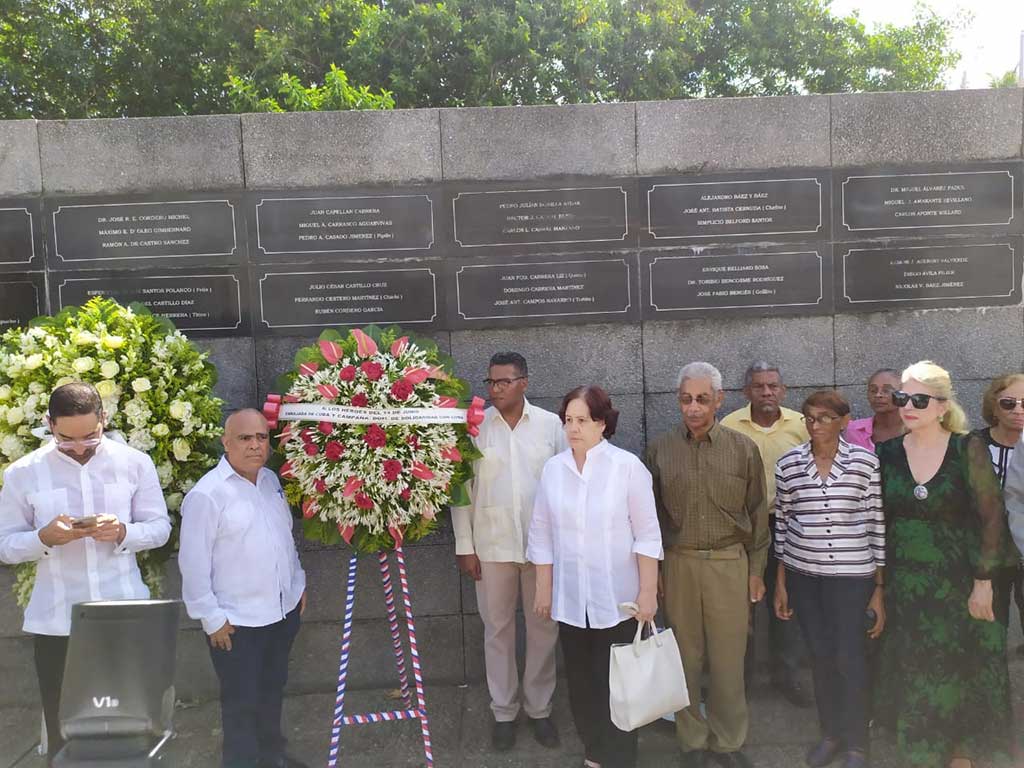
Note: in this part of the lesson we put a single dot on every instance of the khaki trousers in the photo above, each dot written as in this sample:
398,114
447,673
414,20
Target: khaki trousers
707,605
497,595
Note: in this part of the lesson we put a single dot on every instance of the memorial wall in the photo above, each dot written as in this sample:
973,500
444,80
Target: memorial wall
608,243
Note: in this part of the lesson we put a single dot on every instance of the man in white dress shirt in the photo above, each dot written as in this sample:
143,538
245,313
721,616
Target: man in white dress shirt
241,577
516,438
80,507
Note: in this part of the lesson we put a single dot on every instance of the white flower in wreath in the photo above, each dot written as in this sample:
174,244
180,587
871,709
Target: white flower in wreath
186,485
181,449
109,369
65,380
32,362
83,364
174,501
137,413
165,472
31,404
5,392
180,410
107,389
141,440
161,430
141,384
12,447
112,342
36,388
15,416
85,338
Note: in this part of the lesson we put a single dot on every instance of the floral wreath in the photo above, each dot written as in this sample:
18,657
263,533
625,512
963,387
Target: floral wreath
374,443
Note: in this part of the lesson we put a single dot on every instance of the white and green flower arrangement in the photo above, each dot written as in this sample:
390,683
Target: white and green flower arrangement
157,391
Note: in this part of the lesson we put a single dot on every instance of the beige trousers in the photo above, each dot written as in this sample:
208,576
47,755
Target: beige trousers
708,606
497,595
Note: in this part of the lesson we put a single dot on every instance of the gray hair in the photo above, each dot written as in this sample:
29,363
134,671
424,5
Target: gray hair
759,366
700,371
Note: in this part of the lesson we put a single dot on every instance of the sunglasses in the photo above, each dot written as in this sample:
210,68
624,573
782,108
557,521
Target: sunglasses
1009,403
919,401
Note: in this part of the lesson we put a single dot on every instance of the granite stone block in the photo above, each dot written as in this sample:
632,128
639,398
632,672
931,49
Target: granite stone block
331,149
19,159
608,355
801,346
970,343
151,154
538,142
235,359
19,731
20,687
194,678
11,615
946,127
712,135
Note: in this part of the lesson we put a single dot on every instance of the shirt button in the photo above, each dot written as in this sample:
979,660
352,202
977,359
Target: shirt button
829,531
831,557
830,544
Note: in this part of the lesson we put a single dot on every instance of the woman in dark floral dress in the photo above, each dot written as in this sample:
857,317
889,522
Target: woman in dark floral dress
944,688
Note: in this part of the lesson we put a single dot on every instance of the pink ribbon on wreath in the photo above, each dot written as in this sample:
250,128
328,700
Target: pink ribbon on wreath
475,416
396,534
271,409
347,532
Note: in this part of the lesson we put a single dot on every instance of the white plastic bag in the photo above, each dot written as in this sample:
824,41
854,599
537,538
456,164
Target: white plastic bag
645,679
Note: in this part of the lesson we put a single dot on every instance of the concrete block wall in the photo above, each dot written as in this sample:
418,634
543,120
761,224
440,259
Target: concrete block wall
637,363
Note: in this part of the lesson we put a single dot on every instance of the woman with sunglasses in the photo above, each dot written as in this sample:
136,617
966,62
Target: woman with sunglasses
1002,407
830,539
944,687
886,423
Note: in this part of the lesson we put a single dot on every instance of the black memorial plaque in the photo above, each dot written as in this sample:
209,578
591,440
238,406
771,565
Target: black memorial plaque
342,224
211,303
693,283
575,288
540,216
729,208
20,235
291,300
22,298
926,203
95,235
939,274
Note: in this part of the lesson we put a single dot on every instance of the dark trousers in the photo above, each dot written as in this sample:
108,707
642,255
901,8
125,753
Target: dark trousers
1008,581
785,642
252,679
50,652
586,653
830,611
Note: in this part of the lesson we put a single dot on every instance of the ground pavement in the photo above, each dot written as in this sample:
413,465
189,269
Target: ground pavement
460,722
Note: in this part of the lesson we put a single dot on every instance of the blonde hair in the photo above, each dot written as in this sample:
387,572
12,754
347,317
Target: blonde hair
937,378
988,400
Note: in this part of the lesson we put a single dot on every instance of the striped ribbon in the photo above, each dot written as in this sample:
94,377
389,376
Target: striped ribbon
417,673
346,643
396,636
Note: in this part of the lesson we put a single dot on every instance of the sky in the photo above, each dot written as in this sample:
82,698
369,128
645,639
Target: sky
990,43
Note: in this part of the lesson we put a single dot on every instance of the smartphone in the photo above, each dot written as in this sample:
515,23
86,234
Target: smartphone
84,522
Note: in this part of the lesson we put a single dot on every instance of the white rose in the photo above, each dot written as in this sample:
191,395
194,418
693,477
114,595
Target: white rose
182,450
180,410
165,472
5,392
13,448
82,338
106,388
15,416
109,369
33,361
35,388
30,404
65,380
83,364
161,430
141,440
113,342
174,501
141,384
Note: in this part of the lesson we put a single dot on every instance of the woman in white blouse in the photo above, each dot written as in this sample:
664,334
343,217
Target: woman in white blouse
596,543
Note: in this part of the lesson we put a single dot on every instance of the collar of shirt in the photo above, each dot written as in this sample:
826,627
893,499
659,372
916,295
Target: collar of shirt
839,462
225,471
711,435
785,415
597,451
495,415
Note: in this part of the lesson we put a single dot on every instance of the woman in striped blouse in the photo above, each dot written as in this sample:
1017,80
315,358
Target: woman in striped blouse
830,541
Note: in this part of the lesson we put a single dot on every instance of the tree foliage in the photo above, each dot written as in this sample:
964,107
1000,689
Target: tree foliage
91,58
1006,80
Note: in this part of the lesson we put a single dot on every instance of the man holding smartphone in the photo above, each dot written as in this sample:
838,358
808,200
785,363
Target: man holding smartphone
80,507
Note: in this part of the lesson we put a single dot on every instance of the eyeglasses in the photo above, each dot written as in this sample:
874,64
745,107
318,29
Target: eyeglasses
1009,403
500,384
86,443
700,399
825,419
919,401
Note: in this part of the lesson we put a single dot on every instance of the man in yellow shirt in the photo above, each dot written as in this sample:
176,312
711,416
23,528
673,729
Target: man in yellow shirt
774,430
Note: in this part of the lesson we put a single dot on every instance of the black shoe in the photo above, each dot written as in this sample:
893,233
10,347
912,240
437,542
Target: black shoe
696,758
544,732
283,762
855,760
732,759
793,693
823,753
503,737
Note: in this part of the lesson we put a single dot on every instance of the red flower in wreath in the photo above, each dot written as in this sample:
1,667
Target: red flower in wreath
311,449
375,436
359,400
363,501
372,370
334,450
401,389
392,469
348,373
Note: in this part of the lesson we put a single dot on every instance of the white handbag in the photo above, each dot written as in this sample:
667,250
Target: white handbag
645,679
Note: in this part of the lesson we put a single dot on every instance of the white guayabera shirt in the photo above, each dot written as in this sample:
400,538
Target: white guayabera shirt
495,525
117,480
591,526
237,556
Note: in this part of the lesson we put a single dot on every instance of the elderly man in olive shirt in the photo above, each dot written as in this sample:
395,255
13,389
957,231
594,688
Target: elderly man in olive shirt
709,487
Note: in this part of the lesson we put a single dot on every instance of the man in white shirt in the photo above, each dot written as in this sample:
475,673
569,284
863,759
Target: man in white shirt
516,438
241,577
80,507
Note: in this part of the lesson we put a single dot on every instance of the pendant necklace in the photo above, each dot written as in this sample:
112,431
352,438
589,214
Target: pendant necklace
920,492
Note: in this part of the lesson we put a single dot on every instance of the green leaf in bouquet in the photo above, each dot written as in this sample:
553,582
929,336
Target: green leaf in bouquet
310,355
460,496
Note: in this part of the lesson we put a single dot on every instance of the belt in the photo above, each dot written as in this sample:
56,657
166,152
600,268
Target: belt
731,552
